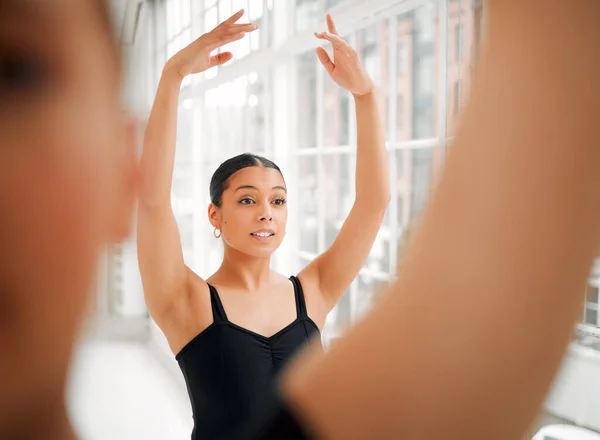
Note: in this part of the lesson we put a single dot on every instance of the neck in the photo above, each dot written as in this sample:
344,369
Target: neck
49,421
244,270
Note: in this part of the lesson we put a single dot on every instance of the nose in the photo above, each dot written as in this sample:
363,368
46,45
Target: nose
266,215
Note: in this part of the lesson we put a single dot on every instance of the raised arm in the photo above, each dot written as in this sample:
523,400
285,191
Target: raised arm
164,274
333,271
467,343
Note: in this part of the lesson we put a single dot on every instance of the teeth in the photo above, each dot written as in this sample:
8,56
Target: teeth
262,234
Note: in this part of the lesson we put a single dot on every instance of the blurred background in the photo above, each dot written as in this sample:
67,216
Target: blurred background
276,100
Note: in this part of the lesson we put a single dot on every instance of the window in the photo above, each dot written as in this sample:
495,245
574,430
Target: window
339,188
306,100
288,105
402,59
331,3
401,112
590,314
336,113
307,12
308,203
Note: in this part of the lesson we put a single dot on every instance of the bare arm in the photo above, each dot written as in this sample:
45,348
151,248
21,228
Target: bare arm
164,274
159,246
334,270
467,341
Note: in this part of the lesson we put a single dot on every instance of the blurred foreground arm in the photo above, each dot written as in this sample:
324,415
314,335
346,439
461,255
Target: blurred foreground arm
467,341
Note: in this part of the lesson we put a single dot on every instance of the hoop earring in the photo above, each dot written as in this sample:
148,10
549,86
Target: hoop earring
215,233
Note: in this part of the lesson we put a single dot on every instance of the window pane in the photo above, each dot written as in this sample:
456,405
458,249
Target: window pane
416,80
185,13
368,290
339,192
414,180
404,77
308,202
184,153
592,294
307,13
223,129
464,35
173,18
421,179
237,100
186,232
224,10
331,3
306,100
183,187
424,73
211,19
256,111
336,103
255,40
256,9
372,44
378,260
240,4
591,317
209,127
339,319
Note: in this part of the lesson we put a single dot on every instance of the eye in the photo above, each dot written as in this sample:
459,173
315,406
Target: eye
246,201
279,201
19,72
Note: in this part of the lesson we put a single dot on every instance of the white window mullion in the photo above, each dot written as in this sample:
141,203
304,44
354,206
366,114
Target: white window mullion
320,123
392,121
443,78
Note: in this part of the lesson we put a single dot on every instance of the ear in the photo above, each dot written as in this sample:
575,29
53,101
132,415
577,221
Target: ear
214,216
127,179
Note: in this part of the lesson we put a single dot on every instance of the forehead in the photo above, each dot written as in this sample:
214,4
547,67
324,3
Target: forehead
259,177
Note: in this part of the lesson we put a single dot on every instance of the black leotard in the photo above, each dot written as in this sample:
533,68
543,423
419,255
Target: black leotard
228,368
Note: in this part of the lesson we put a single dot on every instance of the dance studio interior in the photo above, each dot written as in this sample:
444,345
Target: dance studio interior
275,99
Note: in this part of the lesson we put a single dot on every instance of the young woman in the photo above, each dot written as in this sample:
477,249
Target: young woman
233,332
465,344
66,190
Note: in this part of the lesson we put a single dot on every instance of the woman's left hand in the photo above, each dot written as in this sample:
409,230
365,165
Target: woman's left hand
345,68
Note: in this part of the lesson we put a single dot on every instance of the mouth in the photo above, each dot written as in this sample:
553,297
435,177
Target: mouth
264,234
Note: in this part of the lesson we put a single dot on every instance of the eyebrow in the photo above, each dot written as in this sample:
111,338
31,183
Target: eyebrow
255,188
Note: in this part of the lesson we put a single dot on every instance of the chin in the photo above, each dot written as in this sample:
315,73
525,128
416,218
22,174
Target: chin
262,251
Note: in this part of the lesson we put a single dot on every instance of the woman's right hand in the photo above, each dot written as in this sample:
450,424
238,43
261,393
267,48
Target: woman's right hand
196,58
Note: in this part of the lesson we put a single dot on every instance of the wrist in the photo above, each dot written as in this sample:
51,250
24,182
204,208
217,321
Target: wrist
171,72
368,96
